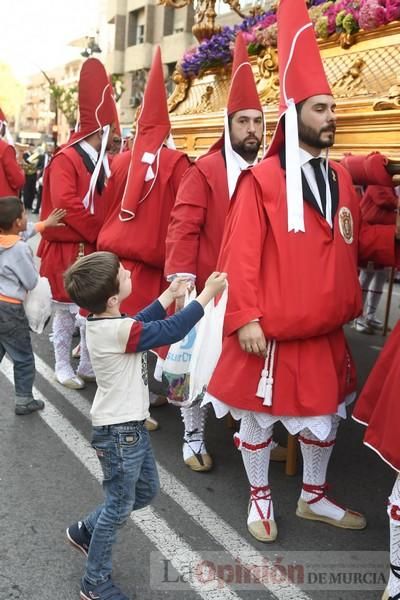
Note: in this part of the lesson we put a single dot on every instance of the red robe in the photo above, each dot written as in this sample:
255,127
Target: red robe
12,177
198,218
378,404
369,169
140,242
65,185
378,205
301,286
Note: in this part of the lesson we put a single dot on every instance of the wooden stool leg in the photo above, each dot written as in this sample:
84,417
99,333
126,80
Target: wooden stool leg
388,301
291,460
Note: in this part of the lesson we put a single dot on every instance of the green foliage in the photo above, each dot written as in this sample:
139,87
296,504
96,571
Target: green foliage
65,99
118,85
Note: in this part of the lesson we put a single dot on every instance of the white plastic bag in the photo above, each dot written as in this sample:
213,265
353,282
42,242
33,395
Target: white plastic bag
207,347
175,370
37,305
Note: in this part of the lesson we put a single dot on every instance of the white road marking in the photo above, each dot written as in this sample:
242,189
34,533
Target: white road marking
200,512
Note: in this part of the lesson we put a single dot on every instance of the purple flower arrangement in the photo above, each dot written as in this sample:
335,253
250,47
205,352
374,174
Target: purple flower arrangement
328,17
217,51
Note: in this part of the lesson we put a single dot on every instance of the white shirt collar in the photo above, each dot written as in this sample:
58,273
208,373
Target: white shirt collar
88,148
305,156
309,174
243,164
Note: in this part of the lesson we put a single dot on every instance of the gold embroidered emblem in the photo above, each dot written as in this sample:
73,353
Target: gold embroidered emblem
346,224
333,175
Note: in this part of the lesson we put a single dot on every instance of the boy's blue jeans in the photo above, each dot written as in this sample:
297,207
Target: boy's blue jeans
15,340
130,482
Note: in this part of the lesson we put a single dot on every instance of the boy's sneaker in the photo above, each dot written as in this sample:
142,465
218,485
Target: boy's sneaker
79,537
27,409
102,591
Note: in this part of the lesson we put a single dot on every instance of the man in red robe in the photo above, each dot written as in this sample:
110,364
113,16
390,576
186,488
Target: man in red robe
378,409
140,194
74,180
291,245
197,220
12,177
378,207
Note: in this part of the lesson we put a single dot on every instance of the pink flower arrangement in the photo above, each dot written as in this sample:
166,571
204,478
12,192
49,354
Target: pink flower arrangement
328,17
351,15
392,10
374,13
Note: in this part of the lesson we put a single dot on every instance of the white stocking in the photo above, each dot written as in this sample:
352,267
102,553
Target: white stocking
394,522
375,290
316,455
194,420
63,328
365,278
254,442
85,366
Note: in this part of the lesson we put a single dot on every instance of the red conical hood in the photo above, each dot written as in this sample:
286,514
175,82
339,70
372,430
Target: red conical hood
96,100
243,93
152,128
301,72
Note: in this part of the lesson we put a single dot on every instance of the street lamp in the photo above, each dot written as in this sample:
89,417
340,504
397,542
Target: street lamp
92,47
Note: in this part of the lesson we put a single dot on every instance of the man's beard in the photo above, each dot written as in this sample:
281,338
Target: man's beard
248,153
312,138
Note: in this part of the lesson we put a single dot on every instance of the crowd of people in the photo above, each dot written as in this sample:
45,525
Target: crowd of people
304,242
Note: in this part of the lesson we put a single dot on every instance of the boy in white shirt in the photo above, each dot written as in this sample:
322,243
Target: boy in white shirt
117,346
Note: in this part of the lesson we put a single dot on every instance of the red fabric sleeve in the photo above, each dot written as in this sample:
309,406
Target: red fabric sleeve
187,218
367,170
377,243
180,168
241,253
382,196
14,174
64,182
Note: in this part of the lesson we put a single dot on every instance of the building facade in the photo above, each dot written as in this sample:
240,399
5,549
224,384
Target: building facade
135,27
40,119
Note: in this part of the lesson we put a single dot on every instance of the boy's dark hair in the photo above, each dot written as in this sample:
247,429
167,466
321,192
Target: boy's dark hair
11,208
92,280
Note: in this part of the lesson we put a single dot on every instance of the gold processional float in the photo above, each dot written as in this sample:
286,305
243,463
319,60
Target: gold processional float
362,65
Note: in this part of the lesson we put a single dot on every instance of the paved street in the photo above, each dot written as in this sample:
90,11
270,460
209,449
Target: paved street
50,478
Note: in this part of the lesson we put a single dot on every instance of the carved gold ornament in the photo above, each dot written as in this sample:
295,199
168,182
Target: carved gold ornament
351,83
267,76
392,100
